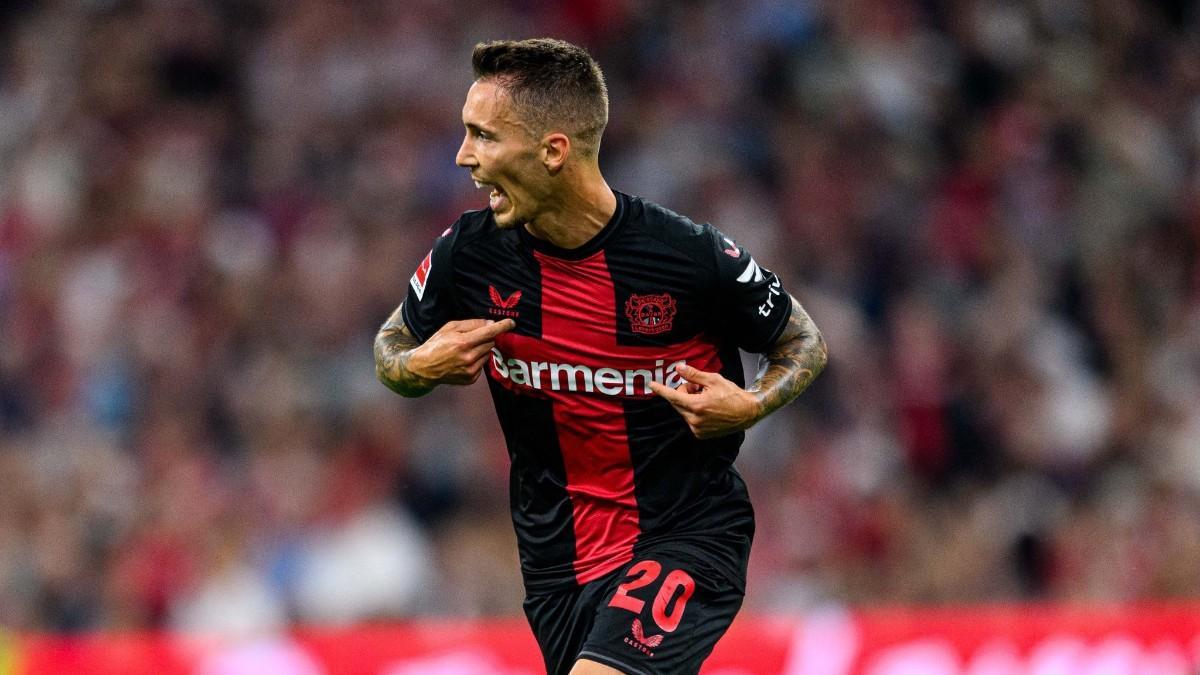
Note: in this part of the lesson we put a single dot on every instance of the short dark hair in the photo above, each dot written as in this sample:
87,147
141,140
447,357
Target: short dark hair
551,83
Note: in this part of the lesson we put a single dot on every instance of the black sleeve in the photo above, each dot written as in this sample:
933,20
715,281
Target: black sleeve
431,301
754,306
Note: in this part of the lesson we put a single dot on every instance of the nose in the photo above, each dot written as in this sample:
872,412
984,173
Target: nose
465,157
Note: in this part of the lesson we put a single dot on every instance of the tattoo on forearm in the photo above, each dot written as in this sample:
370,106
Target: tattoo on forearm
799,355
393,345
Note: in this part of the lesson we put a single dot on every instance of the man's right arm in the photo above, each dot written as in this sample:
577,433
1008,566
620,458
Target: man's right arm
394,345
455,354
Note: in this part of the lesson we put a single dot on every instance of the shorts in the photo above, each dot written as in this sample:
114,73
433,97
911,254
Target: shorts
661,613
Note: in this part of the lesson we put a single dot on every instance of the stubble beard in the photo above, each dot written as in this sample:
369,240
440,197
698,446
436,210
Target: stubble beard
508,224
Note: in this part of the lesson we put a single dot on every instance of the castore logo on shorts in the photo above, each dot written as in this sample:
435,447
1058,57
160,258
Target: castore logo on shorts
641,641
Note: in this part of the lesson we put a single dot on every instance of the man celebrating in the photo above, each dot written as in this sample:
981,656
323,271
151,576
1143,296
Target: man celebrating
609,328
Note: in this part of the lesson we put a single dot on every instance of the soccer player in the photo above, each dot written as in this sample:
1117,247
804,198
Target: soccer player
609,330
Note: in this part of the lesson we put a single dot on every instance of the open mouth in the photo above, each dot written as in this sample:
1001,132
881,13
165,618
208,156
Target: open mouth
498,199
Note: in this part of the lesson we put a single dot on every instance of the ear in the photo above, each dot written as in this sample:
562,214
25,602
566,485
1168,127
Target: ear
556,148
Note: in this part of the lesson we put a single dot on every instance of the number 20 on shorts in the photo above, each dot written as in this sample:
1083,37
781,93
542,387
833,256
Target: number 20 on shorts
666,614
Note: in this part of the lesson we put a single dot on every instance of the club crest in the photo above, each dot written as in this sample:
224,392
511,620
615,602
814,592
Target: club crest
650,314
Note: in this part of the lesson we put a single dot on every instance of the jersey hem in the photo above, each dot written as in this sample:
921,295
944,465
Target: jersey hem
611,661
601,571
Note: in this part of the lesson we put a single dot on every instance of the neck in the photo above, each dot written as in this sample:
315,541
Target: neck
578,212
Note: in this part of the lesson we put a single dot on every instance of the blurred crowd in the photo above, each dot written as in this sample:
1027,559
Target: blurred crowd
990,207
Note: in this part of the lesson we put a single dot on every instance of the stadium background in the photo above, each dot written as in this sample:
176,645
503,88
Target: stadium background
991,208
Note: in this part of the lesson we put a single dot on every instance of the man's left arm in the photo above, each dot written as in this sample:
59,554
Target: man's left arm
796,359
714,406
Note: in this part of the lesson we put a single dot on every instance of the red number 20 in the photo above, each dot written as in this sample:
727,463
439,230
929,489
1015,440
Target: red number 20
666,614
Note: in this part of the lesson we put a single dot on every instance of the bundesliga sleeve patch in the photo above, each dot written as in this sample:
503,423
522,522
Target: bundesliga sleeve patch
421,275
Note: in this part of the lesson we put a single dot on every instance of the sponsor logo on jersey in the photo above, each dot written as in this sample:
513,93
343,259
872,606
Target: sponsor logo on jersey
421,275
641,641
543,375
774,290
650,314
752,274
503,306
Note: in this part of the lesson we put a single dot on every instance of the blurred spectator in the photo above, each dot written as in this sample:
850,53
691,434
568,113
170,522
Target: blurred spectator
992,209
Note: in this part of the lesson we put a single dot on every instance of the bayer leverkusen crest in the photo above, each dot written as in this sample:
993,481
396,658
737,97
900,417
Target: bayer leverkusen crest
650,314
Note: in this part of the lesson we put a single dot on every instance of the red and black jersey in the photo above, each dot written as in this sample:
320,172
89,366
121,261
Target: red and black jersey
600,465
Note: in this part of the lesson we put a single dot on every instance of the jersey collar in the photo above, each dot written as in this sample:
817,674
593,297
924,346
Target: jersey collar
591,246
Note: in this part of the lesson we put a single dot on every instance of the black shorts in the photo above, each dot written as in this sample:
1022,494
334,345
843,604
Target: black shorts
661,613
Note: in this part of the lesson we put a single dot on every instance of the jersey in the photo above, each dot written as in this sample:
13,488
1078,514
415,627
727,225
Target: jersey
600,466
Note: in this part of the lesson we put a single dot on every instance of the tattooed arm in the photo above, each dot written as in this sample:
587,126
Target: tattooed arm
713,406
455,354
798,357
394,345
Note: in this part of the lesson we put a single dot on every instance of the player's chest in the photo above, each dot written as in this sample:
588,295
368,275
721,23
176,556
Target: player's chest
601,300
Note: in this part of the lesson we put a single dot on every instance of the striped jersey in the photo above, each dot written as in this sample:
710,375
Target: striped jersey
600,466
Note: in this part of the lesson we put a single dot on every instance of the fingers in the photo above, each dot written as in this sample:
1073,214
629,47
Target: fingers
468,373
477,367
488,331
682,403
694,383
706,401
478,330
701,377
463,325
477,352
492,329
673,396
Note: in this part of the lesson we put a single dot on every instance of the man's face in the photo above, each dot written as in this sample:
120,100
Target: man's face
501,152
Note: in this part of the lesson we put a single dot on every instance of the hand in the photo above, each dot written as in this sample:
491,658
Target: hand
710,404
456,353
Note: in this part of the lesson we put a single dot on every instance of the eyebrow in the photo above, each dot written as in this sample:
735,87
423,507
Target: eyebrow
476,128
